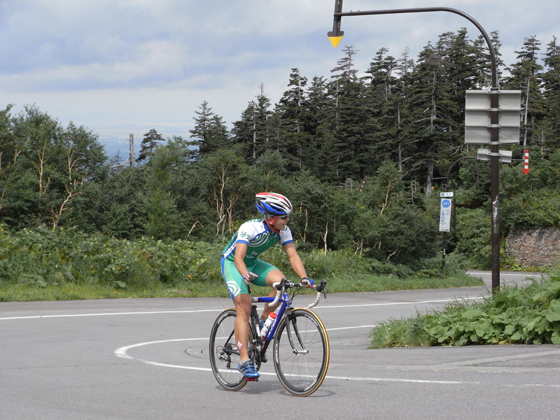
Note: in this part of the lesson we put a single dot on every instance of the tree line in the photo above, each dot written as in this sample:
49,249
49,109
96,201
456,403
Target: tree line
359,157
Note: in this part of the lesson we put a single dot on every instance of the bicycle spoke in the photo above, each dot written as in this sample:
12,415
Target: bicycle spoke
301,353
223,352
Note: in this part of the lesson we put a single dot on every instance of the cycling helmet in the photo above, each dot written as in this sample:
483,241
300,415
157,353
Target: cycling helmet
273,204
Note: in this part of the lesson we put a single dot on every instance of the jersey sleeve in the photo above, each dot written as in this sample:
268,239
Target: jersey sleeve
245,233
286,236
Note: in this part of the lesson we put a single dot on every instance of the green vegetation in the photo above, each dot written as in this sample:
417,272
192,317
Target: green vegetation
42,264
10,292
399,128
513,315
361,158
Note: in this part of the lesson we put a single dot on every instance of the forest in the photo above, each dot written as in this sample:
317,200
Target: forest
362,158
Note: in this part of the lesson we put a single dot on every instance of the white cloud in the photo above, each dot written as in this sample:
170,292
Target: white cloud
121,66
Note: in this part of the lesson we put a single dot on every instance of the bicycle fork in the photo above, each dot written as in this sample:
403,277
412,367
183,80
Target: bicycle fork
291,323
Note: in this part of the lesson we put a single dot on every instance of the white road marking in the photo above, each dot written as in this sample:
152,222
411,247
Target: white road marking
109,314
397,303
122,353
220,310
351,328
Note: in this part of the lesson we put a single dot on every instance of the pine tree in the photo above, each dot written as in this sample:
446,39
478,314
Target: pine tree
424,114
244,131
352,134
263,130
320,124
210,132
346,65
525,77
253,131
482,65
549,135
292,111
384,102
149,145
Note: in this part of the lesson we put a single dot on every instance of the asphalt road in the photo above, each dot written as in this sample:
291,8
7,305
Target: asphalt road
147,359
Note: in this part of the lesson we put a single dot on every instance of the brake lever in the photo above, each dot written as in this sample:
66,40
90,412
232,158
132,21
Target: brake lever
323,288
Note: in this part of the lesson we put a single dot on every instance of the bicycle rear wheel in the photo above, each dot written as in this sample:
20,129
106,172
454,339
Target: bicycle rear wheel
301,352
224,354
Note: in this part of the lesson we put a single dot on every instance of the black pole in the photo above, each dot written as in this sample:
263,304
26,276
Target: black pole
337,19
494,118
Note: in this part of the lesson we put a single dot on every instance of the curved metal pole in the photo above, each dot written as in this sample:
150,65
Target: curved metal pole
435,9
452,165
494,117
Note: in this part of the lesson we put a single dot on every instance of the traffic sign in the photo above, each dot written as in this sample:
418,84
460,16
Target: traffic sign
445,212
477,116
485,154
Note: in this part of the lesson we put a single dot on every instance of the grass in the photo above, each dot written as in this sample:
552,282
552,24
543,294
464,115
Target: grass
365,283
357,283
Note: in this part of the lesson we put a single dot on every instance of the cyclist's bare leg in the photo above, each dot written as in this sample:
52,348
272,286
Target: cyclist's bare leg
243,306
273,276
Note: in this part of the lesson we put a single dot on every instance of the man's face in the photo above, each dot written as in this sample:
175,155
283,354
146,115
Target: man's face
280,223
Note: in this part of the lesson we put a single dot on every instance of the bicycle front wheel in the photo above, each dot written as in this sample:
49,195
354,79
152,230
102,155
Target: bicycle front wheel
224,354
301,352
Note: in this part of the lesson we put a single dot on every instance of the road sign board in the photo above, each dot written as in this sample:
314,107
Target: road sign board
477,116
485,154
445,214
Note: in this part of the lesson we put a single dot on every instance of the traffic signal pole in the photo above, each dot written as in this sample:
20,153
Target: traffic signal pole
336,35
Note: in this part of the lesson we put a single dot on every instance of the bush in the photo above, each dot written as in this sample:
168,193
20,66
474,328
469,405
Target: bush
41,257
529,315
474,236
319,265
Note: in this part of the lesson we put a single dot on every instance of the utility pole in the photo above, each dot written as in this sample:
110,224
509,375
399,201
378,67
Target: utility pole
131,150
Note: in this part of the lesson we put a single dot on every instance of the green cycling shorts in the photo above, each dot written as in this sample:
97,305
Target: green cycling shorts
234,281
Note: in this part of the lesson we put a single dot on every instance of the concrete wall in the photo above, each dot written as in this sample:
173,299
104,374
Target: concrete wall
534,247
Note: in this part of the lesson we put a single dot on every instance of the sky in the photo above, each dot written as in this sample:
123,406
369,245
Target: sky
119,67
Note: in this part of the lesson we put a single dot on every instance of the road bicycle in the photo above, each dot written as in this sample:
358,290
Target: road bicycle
301,347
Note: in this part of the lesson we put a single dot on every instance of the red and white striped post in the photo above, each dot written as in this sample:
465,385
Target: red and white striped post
526,164
363,183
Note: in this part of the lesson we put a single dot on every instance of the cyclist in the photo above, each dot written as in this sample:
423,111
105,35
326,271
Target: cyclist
241,265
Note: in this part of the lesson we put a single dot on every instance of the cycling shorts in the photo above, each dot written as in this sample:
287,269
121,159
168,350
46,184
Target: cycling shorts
234,281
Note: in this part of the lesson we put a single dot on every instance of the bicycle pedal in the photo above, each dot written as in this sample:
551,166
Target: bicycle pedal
252,379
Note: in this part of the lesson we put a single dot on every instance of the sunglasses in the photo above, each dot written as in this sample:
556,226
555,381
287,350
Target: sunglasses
284,217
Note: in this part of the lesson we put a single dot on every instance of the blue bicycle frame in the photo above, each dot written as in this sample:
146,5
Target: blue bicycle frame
283,297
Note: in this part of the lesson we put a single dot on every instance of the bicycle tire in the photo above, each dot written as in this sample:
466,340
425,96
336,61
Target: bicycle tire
223,353
301,370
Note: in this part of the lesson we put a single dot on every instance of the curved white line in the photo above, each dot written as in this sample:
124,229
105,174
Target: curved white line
122,353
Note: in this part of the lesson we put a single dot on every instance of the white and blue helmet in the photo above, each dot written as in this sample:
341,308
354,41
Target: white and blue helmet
273,204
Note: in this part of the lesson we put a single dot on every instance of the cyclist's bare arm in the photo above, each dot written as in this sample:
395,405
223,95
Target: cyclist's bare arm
295,260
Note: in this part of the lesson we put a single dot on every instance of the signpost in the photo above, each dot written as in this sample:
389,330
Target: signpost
445,212
445,215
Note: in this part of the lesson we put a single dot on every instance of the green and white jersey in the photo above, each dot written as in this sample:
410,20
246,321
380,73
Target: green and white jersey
258,237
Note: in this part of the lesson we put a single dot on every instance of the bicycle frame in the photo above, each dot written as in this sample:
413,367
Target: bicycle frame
285,302
283,297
